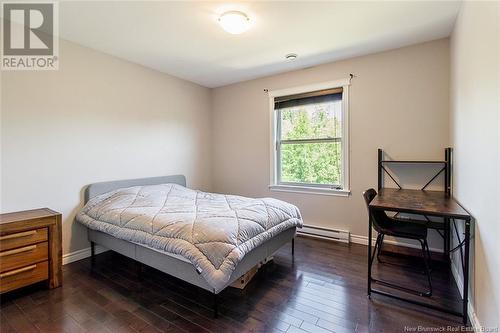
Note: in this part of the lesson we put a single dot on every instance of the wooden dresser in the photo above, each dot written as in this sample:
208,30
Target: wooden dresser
30,249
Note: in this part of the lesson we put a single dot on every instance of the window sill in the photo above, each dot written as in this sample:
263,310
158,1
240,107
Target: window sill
310,190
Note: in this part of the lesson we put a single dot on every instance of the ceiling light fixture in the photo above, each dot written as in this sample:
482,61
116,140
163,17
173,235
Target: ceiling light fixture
291,56
234,22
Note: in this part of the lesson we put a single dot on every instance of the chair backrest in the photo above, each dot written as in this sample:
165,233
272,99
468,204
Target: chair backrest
369,195
379,218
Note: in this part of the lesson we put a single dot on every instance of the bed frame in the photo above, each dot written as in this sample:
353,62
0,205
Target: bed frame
172,264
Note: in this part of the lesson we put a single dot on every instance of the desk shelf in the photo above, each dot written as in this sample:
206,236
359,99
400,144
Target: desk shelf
413,162
445,168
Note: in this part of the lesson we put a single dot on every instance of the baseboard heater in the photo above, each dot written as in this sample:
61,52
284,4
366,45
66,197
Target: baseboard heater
324,233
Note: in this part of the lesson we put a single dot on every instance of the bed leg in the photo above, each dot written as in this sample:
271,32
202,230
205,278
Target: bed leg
92,254
293,246
140,269
216,305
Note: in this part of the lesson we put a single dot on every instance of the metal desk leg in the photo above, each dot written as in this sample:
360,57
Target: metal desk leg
466,272
447,239
369,253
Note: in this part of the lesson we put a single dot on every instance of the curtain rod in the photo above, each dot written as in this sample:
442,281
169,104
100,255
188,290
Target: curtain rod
351,76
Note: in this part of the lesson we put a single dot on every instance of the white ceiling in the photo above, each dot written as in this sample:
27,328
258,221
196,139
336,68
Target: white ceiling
184,39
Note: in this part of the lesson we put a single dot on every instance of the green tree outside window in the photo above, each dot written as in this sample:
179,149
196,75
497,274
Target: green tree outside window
312,162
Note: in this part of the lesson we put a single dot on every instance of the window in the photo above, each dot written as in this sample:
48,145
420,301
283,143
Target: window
309,144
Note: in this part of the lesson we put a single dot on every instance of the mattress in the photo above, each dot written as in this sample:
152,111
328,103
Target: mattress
211,231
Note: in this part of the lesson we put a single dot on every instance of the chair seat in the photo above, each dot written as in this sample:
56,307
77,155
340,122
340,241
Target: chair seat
399,228
437,225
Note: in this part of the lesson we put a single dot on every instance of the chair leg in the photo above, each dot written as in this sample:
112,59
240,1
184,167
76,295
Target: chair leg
425,248
293,247
429,255
398,287
375,250
381,242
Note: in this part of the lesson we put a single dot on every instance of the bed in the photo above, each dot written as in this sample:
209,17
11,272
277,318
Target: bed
123,216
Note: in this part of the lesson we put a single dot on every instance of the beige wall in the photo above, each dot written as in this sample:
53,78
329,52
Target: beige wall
100,118
399,101
475,123
97,118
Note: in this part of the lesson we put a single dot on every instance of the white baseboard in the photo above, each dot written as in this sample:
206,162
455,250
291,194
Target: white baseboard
473,319
81,254
470,307
458,278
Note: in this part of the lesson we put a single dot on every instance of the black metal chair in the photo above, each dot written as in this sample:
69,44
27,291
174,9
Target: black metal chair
385,225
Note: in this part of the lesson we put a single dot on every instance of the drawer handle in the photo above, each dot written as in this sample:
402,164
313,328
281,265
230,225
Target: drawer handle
18,235
19,250
17,271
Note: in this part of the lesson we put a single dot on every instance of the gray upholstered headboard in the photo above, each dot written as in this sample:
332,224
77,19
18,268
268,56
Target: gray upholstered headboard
99,188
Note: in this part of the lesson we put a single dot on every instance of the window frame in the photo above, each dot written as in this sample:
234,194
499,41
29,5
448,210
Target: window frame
275,142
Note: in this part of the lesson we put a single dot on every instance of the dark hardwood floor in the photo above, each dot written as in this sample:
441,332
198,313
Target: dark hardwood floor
323,289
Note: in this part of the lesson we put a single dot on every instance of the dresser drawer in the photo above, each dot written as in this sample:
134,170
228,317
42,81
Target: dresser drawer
20,239
23,256
23,276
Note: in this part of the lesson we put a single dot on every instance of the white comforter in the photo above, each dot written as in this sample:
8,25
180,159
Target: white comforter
212,231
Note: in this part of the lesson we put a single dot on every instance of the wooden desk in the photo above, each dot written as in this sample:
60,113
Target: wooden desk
427,203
